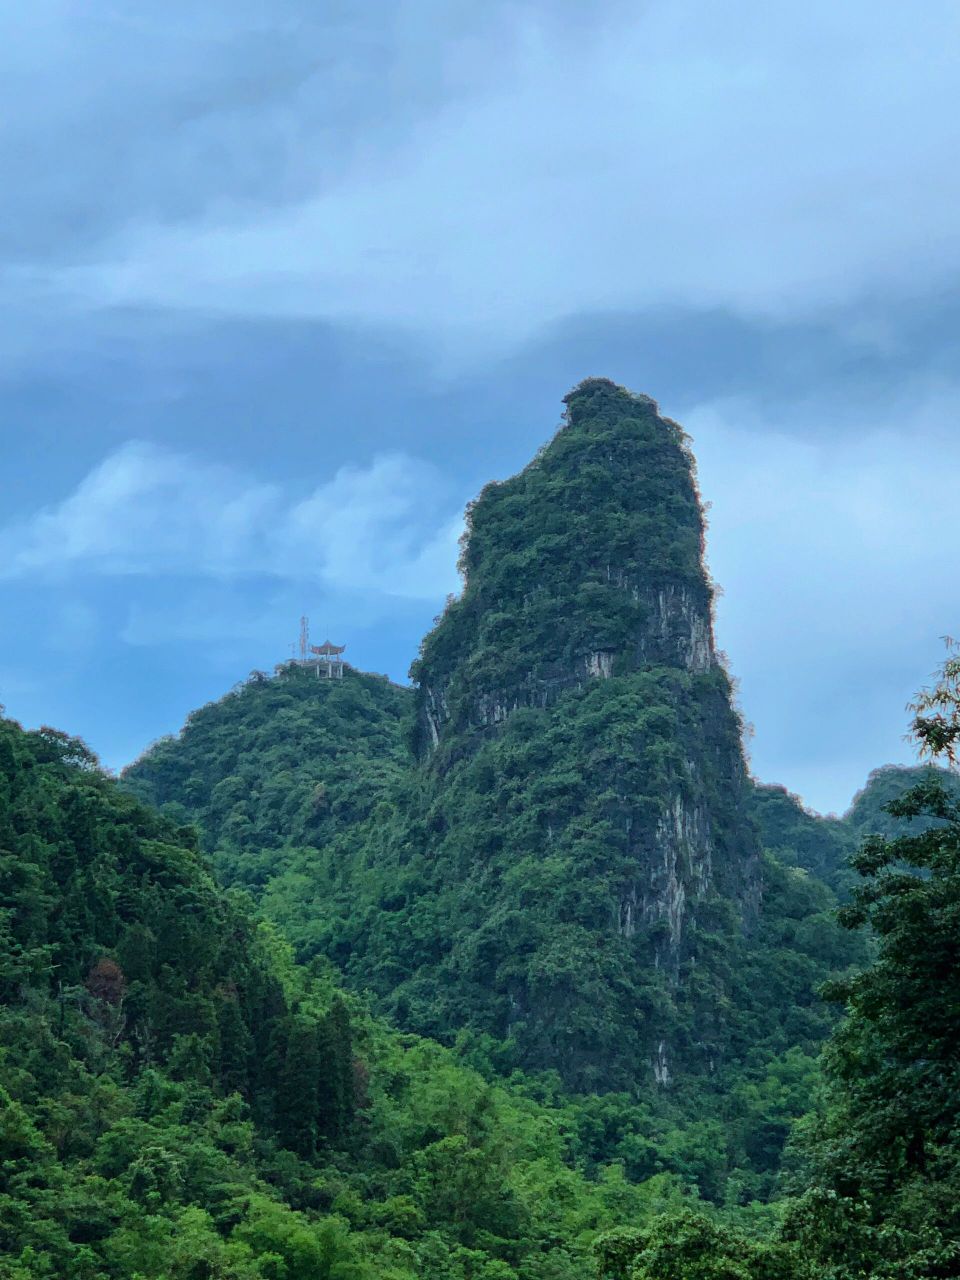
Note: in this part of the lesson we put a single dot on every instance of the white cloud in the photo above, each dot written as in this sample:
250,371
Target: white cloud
837,561
145,510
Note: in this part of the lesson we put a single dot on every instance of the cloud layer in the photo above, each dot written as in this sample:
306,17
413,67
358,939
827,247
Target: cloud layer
483,176
148,511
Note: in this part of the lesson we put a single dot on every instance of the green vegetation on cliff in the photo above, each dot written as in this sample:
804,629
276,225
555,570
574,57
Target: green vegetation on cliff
588,561
564,877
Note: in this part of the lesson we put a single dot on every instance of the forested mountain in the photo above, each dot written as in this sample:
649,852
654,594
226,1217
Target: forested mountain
570,870
825,846
544,853
579,756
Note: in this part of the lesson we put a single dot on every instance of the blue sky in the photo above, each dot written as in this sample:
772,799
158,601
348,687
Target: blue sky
285,284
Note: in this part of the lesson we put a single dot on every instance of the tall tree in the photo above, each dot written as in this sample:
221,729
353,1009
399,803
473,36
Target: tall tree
685,1245
335,1102
298,1088
884,1162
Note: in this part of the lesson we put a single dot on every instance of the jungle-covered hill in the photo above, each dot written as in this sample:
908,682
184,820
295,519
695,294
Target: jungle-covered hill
824,846
289,761
179,1099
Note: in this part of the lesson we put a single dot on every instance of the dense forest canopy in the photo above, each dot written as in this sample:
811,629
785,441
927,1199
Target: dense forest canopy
178,1099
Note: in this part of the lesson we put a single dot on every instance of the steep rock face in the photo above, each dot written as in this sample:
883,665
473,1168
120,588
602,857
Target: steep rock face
590,561
583,775
587,565
676,631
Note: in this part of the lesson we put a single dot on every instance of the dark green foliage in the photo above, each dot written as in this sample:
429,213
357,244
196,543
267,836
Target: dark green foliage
883,1195
234,1047
688,1246
527,948
336,1100
298,1091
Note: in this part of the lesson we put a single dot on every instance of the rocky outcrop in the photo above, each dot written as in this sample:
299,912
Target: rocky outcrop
583,572
677,631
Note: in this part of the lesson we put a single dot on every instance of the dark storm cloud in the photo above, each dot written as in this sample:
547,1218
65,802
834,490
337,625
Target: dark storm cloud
477,178
117,114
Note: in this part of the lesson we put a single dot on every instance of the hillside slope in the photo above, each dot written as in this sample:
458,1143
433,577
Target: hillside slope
179,1100
824,845
291,761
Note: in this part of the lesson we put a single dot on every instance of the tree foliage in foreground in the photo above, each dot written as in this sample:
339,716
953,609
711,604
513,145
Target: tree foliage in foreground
883,1162
686,1245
